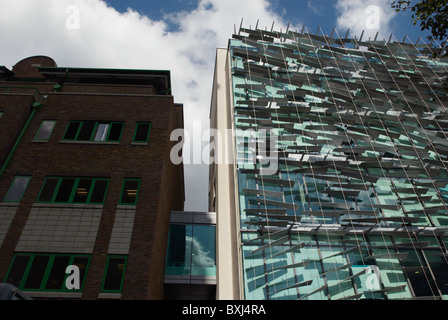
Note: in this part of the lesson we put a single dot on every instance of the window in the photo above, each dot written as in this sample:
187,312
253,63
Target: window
129,192
1,113
74,190
45,129
45,272
114,274
142,132
191,250
98,131
17,189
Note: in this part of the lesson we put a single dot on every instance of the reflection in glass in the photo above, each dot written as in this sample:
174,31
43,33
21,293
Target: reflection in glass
17,189
191,250
101,132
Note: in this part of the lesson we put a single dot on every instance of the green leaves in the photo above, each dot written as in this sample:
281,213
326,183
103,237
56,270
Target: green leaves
401,5
432,15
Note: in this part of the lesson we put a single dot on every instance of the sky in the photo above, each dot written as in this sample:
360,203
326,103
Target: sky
177,35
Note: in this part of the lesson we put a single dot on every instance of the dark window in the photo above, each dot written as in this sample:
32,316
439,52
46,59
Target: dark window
129,192
37,272
115,131
85,134
65,190
418,274
45,272
99,131
74,190
72,130
57,273
48,189
99,191
113,278
17,270
82,191
81,263
142,132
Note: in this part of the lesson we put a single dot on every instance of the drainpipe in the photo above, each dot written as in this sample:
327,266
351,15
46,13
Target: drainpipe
35,106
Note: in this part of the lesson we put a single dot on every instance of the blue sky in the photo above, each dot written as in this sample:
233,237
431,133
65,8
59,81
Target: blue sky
312,14
177,35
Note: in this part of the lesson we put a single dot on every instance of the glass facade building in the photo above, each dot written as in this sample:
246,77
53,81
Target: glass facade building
190,269
340,167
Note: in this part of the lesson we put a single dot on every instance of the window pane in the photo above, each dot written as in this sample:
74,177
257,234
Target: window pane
101,132
81,263
48,189
17,189
17,270
179,250
57,274
45,130
65,189
115,131
72,130
203,251
37,271
142,131
82,191
99,190
114,274
439,268
418,274
129,193
86,130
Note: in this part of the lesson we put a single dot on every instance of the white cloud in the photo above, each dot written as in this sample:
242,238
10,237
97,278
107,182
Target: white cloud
370,16
314,8
107,38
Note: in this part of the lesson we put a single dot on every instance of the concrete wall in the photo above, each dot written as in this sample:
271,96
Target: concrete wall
223,189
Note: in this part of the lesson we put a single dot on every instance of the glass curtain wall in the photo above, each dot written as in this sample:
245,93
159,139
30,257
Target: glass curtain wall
356,132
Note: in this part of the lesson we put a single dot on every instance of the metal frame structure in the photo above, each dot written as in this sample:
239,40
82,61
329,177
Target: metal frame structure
357,208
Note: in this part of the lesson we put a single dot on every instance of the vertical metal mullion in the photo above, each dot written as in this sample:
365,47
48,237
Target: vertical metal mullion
95,128
47,271
431,274
27,271
73,192
81,123
109,128
92,186
321,261
56,190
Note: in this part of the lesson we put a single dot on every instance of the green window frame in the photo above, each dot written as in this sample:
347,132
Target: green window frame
142,130
79,190
46,272
45,130
129,191
94,131
114,273
17,189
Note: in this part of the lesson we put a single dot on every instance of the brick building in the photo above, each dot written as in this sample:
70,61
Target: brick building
86,180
